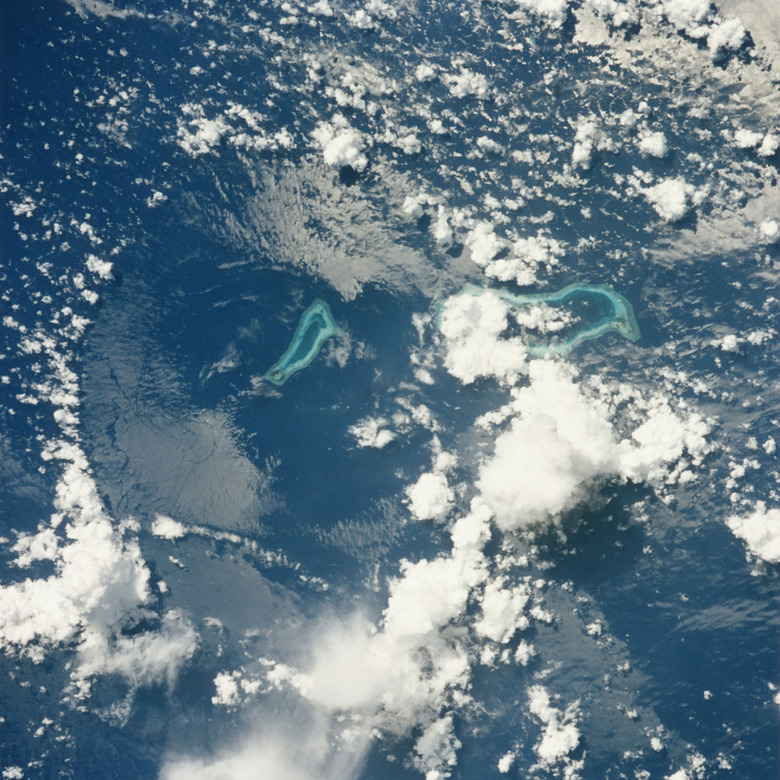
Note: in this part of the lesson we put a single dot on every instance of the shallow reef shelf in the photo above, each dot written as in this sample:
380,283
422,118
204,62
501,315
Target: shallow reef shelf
619,318
316,326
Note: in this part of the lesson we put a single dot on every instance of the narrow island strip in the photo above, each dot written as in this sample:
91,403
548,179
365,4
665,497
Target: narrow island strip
315,327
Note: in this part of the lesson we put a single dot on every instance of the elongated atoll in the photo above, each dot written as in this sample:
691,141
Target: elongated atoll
619,318
315,327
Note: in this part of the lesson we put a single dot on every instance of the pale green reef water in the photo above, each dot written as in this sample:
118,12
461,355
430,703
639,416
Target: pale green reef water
317,325
314,329
619,316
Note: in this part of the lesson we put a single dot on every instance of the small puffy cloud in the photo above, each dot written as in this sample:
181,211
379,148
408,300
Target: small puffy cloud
413,205
425,72
372,432
227,690
552,11
662,438
653,145
232,689
619,12
101,268
527,256
198,135
467,83
728,34
506,761
321,8
502,611
628,118
168,528
483,243
470,533
524,652
408,143
729,342
686,15
487,144
770,230
769,145
671,198
588,137
382,9
341,144
594,629
441,230
542,318
747,139
760,530
430,498
361,20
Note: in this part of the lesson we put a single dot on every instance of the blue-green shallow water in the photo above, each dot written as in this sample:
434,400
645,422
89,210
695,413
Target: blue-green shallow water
618,314
314,329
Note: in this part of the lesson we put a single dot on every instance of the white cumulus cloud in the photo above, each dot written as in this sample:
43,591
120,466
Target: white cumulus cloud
99,587
341,144
472,326
760,530
430,497
671,198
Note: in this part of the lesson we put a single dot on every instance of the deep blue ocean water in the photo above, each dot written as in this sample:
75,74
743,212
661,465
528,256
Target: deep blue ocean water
207,290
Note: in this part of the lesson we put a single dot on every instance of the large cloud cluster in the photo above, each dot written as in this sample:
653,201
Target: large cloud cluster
558,440
556,443
555,440
472,326
100,587
407,674
91,584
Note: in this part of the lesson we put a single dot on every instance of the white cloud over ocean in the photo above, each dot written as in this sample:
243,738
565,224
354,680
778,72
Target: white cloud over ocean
395,656
405,674
760,530
100,587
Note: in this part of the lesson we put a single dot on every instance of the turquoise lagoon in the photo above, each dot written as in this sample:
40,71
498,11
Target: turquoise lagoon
314,329
616,313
